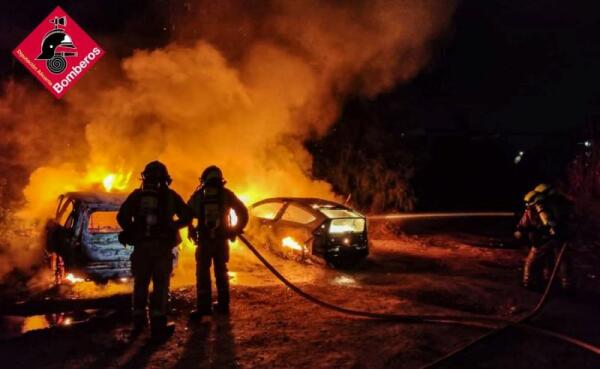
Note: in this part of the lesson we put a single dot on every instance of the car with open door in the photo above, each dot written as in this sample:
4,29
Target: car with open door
309,228
82,238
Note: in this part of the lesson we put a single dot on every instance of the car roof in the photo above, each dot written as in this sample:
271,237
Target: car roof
100,198
308,201
316,205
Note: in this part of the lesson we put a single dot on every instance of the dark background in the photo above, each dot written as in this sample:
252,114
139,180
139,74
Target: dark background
510,76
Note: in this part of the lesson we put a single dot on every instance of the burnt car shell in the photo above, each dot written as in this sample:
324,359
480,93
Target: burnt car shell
326,229
92,252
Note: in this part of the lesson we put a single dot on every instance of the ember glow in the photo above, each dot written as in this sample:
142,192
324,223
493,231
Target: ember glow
71,278
290,243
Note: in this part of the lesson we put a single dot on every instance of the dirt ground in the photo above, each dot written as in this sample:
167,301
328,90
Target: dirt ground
271,327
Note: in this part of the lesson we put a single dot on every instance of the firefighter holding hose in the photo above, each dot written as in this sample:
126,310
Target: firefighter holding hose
545,223
151,218
221,216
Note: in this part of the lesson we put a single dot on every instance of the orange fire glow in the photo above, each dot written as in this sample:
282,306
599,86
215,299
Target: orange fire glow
118,181
191,105
71,278
289,242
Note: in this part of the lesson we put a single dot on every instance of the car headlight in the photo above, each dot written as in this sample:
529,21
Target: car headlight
347,225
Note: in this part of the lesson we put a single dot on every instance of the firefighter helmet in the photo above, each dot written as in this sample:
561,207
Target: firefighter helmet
544,188
212,174
155,171
531,197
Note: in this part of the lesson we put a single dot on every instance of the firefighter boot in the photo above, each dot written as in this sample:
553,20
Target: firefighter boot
221,308
531,270
200,312
161,329
140,322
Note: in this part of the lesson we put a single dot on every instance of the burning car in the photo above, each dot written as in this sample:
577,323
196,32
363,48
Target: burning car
302,228
82,239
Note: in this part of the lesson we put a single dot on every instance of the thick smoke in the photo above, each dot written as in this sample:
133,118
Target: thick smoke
241,86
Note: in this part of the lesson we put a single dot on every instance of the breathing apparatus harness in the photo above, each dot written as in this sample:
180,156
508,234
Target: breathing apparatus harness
210,201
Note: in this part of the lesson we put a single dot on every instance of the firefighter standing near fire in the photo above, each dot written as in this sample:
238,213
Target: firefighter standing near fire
545,223
151,218
212,205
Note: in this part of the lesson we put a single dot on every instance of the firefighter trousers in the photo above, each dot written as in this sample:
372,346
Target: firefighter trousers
215,252
542,256
151,261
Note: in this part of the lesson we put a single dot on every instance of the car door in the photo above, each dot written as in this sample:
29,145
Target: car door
60,232
294,229
263,216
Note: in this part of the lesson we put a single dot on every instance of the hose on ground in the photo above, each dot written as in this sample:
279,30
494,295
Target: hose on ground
521,324
472,321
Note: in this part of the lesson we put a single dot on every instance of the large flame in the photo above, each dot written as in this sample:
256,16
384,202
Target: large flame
117,181
241,97
291,243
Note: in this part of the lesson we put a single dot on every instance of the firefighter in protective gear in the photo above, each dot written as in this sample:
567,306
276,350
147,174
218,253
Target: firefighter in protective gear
545,223
221,217
151,218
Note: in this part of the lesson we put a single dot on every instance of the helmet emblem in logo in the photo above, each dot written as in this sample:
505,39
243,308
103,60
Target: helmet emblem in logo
57,45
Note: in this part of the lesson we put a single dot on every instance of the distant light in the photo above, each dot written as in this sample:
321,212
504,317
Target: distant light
587,143
519,157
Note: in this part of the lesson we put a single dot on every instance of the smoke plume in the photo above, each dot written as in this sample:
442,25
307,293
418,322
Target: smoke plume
242,85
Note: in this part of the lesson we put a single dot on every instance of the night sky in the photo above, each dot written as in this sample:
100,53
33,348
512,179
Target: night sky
507,65
520,66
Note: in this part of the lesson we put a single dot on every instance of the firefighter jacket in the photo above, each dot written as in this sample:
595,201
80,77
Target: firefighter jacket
546,219
149,214
213,206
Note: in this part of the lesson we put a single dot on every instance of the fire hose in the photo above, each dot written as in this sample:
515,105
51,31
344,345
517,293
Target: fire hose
521,323
473,321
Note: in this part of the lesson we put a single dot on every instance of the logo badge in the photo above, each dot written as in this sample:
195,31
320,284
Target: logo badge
58,52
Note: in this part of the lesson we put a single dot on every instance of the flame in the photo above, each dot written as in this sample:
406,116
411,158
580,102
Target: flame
289,242
232,218
248,108
71,278
117,181
33,323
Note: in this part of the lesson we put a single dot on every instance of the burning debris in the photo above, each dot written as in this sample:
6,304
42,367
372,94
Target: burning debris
71,278
292,244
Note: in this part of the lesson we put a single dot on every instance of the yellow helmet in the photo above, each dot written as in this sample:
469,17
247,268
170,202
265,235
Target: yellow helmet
530,197
544,188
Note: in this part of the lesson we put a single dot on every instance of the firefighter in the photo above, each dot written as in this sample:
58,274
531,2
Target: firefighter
151,218
212,205
545,223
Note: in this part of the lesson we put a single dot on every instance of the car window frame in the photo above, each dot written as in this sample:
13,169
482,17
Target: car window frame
63,206
297,206
89,212
282,206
